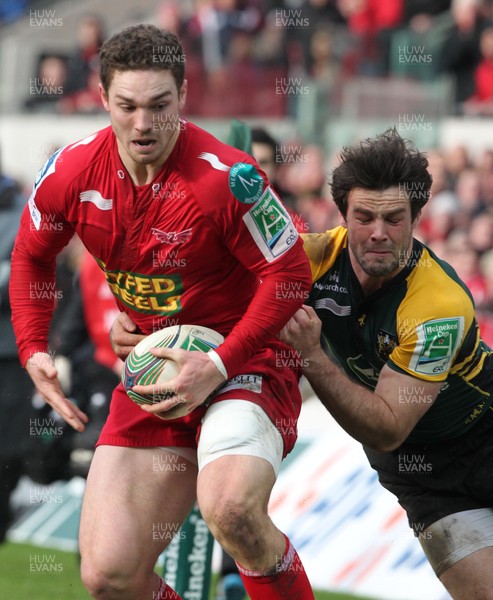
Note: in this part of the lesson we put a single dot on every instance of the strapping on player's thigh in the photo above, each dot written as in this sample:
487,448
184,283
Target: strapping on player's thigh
452,538
239,427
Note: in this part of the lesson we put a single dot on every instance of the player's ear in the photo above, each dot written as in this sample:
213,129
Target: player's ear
104,96
342,220
182,95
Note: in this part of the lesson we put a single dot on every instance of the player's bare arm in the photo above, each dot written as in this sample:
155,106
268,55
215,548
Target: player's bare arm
42,371
124,335
382,419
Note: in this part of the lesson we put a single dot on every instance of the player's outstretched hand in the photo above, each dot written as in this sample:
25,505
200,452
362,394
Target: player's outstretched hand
197,379
124,335
302,332
42,371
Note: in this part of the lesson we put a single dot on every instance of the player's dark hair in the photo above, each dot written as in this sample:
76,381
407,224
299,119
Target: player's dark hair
378,163
142,47
261,136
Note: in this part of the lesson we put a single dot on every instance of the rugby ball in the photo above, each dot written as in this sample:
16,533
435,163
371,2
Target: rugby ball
143,368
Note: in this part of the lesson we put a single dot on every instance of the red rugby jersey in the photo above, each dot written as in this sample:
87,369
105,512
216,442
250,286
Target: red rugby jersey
189,247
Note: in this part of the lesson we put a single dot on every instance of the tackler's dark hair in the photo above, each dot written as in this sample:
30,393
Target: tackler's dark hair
378,163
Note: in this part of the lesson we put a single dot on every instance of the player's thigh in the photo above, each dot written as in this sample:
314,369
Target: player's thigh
472,577
460,550
135,500
240,453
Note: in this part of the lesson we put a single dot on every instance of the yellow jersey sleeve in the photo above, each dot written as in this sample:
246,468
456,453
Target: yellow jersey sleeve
322,249
431,322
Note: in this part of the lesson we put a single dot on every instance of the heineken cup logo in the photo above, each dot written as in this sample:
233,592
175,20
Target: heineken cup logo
437,345
197,559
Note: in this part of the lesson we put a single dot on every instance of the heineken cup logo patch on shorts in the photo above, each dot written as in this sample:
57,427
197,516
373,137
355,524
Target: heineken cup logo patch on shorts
245,182
437,344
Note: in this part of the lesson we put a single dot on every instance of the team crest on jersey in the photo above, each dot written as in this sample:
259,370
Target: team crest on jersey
172,237
245,182
386,342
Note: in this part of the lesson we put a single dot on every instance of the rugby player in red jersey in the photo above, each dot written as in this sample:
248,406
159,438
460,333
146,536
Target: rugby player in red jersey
184,227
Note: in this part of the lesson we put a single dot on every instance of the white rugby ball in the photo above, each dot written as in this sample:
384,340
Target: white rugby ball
143,368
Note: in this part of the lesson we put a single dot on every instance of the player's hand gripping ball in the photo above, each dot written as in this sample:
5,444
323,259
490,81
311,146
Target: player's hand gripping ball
143,368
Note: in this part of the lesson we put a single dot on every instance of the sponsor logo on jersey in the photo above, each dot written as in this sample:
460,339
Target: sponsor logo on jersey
271,226
97,199
437,344
214,161
151,294
243,382
246,183
386,342
331,287
172,237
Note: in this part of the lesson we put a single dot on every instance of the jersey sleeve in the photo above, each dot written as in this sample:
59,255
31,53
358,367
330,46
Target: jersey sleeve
42,234
260,234
433,322
322,249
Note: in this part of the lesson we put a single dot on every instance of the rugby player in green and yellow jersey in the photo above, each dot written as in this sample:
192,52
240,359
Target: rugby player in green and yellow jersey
413,380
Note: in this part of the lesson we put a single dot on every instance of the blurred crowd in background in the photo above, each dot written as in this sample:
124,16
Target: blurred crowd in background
235,49
237,45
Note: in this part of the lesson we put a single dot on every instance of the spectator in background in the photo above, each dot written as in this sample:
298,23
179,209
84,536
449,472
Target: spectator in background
268,153
464,258
323,63
487,190
83,62
456,159
305,178
49,84
481,232
484,162
461,50
316,15
482,99
214,26
86,101
467,189
370,22
418,14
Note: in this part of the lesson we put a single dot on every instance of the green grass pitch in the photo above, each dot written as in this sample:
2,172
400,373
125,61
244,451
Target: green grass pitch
28,572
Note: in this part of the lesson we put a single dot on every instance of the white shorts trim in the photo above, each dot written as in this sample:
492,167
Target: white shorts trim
452,538
239,427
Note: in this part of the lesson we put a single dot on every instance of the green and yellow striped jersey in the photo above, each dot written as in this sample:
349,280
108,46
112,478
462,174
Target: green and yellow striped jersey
420,323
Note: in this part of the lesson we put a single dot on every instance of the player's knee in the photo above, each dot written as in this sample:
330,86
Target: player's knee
105,583
234,522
